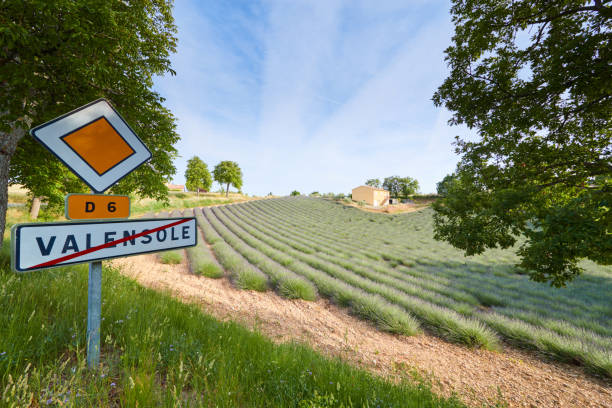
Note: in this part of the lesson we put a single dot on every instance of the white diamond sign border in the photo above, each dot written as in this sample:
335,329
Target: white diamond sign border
50,134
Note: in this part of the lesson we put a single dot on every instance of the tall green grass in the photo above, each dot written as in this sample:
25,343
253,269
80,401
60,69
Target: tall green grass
157,351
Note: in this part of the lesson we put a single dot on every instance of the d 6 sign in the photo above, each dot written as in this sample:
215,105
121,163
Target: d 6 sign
96,206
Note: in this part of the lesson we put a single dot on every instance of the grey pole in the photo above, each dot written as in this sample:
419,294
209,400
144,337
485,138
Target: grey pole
94,310
94,307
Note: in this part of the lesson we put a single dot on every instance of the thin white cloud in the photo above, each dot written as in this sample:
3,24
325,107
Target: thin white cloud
314,95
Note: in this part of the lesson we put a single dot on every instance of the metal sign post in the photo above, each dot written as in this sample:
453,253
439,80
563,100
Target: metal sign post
94,311
96,143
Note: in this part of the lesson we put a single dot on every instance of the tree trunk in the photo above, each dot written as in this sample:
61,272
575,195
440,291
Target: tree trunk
35,208
227,190
8,144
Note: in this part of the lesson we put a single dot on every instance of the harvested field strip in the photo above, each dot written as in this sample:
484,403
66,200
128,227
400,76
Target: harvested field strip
364,267
395,258
443,322
242,273
201,260
355,264
286,283
500,286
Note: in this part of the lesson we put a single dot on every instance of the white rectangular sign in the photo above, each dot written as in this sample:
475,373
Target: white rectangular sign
38,246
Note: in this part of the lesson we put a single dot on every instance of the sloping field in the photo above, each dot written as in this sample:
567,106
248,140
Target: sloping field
389,270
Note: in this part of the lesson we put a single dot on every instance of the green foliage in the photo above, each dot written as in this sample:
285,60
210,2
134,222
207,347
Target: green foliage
56,56
228,172
373,183
443,186
401,186
541,168
197,175
295,193
315,194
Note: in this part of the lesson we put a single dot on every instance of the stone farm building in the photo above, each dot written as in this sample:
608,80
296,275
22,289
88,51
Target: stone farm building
376,197
175,187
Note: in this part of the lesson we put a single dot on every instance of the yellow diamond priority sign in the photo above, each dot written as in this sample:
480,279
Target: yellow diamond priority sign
95,143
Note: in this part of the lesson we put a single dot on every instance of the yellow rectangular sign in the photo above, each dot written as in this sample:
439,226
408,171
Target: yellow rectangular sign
96,206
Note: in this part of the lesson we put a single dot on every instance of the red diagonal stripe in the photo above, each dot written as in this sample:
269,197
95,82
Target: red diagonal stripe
108,244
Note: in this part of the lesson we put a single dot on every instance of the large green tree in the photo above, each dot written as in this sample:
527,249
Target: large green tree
534,79
56,55
228,172
197,175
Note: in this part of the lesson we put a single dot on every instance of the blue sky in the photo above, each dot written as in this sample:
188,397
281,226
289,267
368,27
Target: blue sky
312,95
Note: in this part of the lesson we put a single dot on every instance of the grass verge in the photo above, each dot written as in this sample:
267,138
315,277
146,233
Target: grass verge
157,351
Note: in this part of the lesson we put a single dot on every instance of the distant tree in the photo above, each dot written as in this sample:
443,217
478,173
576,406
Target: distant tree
270,193
400,186
315,193
373,183
408,186
228,172
197,175
58,55
392,185
295,193
443,186
534,79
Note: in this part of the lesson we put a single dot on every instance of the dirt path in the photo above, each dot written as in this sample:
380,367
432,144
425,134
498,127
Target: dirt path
477,376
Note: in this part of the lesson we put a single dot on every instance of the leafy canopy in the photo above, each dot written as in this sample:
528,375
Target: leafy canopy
58,55
535,80
197,175
400,186
295,193
373,183
228,172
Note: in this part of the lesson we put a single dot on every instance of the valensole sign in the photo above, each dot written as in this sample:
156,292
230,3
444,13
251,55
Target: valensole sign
47,245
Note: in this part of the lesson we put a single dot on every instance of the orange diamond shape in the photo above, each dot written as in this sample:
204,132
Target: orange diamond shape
99,144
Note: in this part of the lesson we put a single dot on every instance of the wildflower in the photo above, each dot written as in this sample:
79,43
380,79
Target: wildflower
113,384
3,353
49,401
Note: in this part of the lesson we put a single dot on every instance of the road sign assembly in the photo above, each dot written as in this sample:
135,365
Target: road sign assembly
95,143
96,206
99,147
